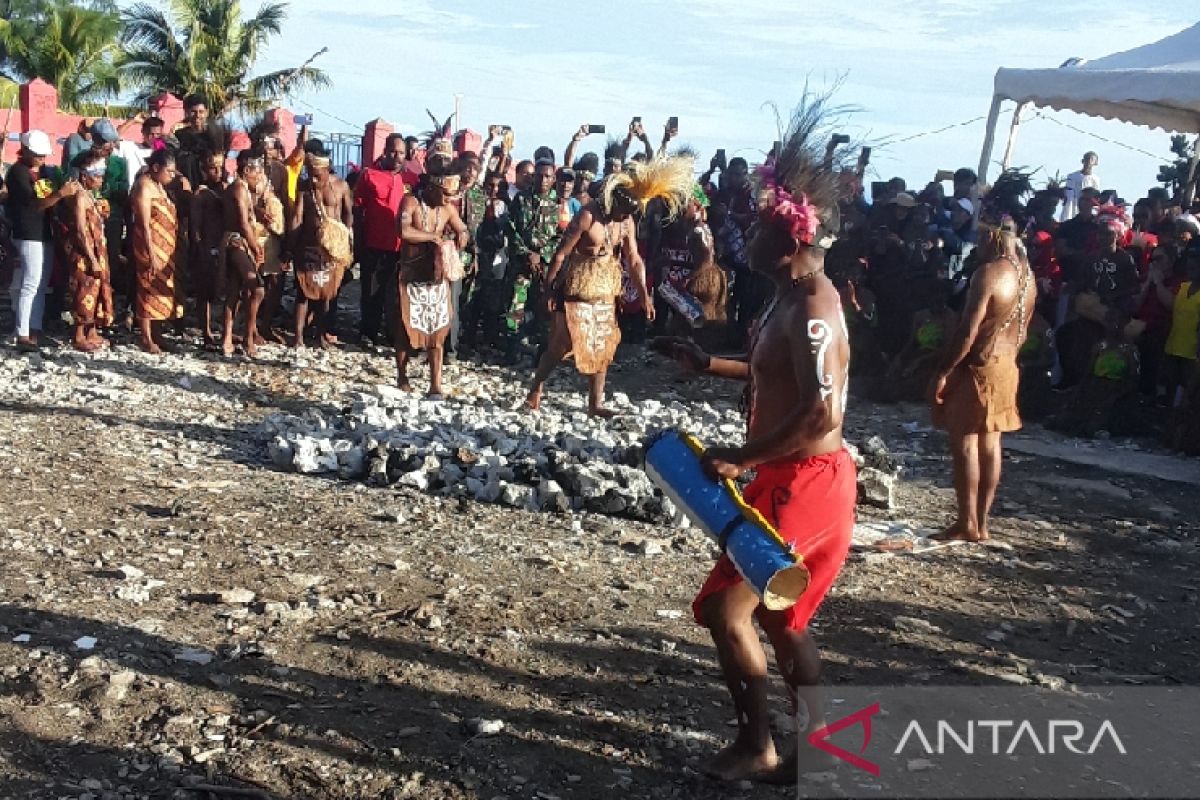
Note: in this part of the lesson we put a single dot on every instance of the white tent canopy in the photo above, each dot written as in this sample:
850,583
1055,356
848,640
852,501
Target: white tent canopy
1156,85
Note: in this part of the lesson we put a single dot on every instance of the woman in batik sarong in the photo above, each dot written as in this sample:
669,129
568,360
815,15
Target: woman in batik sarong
585,273
433,237
155,228
85,250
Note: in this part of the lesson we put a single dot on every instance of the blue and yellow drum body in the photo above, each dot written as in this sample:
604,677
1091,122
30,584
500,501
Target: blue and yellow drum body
764,559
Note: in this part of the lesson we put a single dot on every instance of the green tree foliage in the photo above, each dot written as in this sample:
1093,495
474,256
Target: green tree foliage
1174,175
70,45
204,47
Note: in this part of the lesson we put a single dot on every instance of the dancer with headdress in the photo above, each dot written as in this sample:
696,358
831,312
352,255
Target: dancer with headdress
975,392
322,220
584,278
432,236
805,482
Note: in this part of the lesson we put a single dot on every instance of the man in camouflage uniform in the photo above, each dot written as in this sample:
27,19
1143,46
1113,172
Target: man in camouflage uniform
534,236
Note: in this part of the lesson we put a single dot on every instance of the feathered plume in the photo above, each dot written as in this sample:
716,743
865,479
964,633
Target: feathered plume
667,179
614,149
441,130
686,151
262,128
800,186
588,162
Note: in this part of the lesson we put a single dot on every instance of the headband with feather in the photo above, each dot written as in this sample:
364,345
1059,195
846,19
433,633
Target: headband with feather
798,189
666,179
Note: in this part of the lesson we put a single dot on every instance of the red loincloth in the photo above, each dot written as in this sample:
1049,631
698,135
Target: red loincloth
811,503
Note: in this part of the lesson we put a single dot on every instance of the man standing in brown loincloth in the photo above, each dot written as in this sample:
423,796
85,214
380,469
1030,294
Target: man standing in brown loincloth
975,393
86,252
248,216
322,220
805,483
155,230
581,296
207,230
425,264
276,258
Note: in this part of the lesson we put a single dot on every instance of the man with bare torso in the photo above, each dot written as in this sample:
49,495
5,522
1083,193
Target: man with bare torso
975,392
423,286
597,238
243,251
323,219
276,258
805,482
207,230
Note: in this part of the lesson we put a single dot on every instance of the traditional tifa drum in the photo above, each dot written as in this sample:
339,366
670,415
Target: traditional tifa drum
684,304
763,558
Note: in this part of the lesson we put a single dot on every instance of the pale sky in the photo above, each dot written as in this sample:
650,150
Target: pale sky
547,67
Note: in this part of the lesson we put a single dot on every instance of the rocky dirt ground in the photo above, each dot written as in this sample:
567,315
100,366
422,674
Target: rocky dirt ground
175,611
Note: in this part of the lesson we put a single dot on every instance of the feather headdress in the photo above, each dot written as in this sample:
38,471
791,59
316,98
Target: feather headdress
614,149
666,179
799,187
263,128
440,130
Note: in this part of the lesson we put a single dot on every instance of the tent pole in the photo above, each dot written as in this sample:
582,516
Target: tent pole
1189,186
985,157
1012,136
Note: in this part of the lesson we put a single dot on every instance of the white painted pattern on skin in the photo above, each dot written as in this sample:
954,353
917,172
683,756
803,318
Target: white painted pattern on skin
821,336
846,380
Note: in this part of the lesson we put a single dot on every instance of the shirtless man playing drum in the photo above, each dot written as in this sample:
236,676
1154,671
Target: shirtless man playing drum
805,481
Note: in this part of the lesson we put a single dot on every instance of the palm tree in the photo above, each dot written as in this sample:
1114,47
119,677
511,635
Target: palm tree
70,46
204,47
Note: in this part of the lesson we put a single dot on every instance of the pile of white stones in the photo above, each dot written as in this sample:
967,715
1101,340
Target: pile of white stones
491,449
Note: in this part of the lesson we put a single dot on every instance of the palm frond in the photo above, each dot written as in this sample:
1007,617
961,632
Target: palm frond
144,26
272,86
204,47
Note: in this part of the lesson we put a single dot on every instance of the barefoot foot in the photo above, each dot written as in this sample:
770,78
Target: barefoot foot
739,762
270,336
602,413
150,346
956,533
797,763
534,400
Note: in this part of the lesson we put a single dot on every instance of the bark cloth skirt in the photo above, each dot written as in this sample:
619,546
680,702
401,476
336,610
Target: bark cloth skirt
981,398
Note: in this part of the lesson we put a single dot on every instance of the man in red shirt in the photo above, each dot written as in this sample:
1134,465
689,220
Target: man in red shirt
377,195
